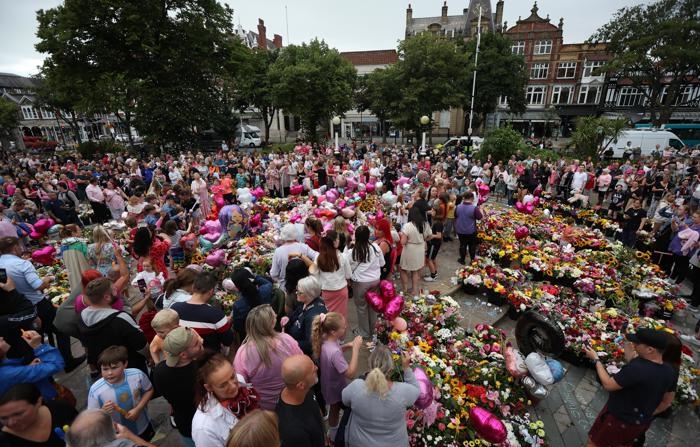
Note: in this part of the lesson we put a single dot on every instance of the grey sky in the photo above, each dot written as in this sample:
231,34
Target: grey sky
346,25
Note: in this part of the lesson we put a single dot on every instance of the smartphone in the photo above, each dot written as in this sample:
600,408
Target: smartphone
142,285
3,275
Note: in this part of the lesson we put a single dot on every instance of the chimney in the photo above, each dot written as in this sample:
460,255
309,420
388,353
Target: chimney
499,14
277,41
443,19
409,15
262,36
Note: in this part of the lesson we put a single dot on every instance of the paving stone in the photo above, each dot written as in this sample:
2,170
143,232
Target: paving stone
572,437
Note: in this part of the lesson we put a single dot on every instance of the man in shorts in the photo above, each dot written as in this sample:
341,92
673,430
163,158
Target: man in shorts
636,391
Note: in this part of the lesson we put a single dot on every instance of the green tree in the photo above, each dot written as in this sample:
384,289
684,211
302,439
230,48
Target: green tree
313,82
499,73
502,143
379,92
255,89
430,75
655,46
164,64
590,133
9,120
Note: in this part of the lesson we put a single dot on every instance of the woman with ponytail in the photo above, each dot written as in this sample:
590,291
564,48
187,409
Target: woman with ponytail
333,271
379,404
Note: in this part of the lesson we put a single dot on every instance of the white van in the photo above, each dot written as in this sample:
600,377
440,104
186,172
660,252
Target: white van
248,136
645,139
476,142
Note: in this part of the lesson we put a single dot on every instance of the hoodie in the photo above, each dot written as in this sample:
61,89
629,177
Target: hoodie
102,328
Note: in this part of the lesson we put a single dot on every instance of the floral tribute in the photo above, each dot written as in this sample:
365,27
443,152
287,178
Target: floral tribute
466,369
593,294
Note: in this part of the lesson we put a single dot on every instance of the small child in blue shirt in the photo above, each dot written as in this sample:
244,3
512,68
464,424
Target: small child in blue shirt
122,392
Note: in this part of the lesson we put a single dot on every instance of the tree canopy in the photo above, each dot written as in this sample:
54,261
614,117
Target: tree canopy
164,64
254,88
655,46
313,82
591,132
9,119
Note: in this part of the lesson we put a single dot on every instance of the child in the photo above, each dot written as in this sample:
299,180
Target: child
326,332
432,249
151,215
164,321
450,220
147,274
617,201
177,253
122,392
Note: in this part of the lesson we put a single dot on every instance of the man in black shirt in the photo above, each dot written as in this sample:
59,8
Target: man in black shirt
635,218
175,378
300,422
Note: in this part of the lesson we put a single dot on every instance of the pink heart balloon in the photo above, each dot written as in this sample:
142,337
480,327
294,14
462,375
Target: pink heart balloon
487,425
374,301
519,206
295,190
352,183
484,188
35,235
386,288
425,398
370,187
393,308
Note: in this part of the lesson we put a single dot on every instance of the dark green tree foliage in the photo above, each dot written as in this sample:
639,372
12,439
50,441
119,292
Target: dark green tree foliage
255,89
655,45
591,132
379,93
313,82
501,144
164,63
429,76
499,73
9,119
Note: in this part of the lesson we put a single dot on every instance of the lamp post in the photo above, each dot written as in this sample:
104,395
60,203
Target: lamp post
336,122
424,120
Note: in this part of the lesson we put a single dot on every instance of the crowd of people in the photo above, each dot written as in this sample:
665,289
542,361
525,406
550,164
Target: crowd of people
273,371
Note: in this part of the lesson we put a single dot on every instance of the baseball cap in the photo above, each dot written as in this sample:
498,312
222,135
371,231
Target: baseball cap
650,337
175,343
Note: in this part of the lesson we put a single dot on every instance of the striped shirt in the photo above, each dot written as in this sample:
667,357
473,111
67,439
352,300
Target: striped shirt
210,323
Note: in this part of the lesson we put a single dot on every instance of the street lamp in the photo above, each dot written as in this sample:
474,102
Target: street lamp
424,120
336,123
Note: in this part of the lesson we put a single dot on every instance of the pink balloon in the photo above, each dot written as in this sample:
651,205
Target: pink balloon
521,232
348,213
519,205
220,203
352,183
374,301
295,190
393,308
387,290
320,199
258,192
363,194
536,201
43,225
216,258
370,187
399,324
425,398
342,204
34,235
487,425
529,208
380,214
484,188
212,237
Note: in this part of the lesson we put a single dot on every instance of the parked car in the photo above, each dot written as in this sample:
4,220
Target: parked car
476,142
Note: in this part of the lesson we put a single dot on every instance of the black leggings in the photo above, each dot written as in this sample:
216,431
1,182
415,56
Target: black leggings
467,242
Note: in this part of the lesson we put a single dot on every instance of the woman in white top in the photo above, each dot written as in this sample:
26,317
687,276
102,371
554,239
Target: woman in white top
366,261
333,271
413,237
179,289
223,398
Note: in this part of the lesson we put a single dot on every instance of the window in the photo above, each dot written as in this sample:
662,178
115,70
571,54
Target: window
629,96
445,116
518,47
589,68
539,71
29,113
561,94
588,94
47,114
535,94
543,47
566,70
503,101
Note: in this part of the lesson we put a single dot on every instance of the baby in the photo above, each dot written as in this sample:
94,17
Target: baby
165,321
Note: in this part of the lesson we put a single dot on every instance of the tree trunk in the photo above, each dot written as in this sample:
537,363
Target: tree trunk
19,141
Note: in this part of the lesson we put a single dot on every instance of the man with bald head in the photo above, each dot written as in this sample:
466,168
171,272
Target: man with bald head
299,414
94,428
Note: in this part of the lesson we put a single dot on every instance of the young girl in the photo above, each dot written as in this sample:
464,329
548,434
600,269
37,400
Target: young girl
100,253
326,332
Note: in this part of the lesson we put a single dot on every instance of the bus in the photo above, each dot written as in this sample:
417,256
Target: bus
688,132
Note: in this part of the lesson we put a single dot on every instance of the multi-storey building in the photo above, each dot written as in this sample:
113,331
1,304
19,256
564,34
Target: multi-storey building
564,80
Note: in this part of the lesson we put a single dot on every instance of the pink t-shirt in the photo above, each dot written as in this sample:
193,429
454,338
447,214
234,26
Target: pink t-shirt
267,380
333,367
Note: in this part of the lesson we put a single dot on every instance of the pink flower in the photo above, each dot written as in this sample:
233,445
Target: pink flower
441,426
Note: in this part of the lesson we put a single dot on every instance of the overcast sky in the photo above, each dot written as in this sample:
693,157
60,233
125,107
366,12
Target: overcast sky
348,25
